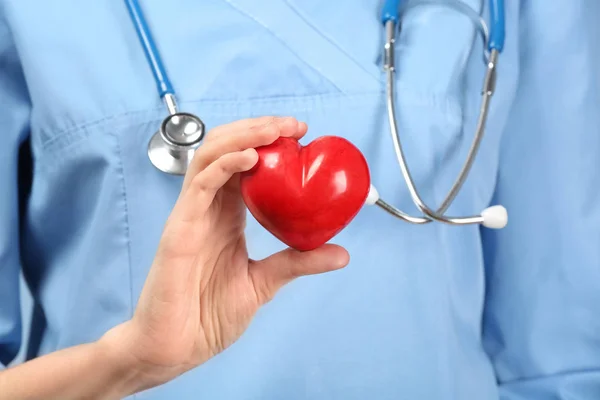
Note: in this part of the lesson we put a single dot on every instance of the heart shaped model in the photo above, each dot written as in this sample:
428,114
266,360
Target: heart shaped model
305,195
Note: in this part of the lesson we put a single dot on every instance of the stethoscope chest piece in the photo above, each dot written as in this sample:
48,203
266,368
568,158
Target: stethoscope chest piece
172,148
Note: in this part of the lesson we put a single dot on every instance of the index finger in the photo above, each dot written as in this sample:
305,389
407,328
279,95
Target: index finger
250,123
239,136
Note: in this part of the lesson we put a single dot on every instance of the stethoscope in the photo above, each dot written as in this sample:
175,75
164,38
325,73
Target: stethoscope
180,134
171,148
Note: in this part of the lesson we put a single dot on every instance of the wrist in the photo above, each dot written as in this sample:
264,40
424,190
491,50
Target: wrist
117,351
123,349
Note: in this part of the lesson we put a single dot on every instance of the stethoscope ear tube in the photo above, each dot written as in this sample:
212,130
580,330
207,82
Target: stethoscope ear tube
498,34
492,217
143,31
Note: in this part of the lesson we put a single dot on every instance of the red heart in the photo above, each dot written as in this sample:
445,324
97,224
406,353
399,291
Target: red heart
305,195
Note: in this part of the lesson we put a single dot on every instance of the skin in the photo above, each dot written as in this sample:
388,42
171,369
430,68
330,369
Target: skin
201,292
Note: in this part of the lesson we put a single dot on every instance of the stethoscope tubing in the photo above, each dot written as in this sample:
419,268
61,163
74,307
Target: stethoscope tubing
392,10
493,42
150,49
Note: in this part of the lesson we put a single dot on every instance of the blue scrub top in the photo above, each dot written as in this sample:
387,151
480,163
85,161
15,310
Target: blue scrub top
421,312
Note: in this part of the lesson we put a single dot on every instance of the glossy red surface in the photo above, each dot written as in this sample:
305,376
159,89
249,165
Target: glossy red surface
305,195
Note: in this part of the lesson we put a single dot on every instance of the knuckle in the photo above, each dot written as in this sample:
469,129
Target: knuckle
257,128
199,183
263,121
228,164
224,168
201,156
269,132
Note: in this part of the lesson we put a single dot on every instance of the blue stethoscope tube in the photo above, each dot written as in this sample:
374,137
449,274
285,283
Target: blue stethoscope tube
158,70
497,33
391,12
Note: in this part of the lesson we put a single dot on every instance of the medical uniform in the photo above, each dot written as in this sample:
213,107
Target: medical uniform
421,312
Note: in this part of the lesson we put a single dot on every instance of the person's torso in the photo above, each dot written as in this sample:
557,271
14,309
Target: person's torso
402,320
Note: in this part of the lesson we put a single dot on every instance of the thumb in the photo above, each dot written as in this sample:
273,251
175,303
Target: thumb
272,273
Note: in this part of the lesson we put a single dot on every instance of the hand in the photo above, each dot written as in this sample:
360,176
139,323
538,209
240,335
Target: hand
202,290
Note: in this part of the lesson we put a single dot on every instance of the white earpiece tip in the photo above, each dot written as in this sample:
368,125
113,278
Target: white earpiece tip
495,217
372,197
